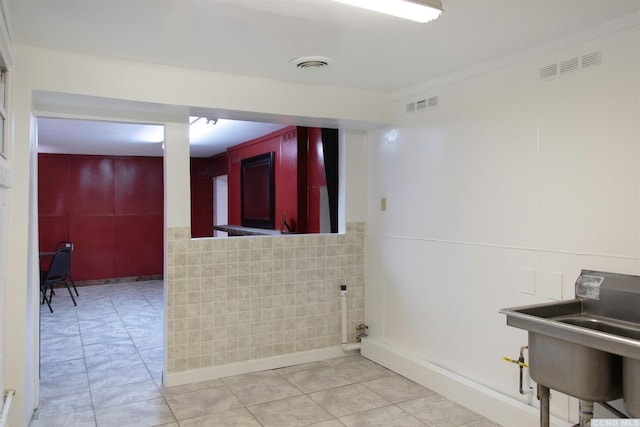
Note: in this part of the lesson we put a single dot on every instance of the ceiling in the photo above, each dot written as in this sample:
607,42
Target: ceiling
370,51
99,137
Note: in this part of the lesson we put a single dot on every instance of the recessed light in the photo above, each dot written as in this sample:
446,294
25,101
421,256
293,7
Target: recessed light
311,62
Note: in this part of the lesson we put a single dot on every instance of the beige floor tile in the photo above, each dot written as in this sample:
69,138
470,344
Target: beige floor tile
348,399
232,418
388,416
397,389
138,414
202,402
482,423
292,412
263,390
317,379
361,369
301,367
186,388
330,423
436,411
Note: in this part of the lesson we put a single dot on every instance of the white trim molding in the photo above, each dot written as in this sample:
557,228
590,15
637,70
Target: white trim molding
492,405
256,365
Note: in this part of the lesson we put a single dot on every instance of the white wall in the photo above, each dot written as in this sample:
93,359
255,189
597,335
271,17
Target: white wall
170,87
507,174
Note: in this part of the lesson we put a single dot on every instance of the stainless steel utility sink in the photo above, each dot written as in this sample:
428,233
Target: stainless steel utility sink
585,347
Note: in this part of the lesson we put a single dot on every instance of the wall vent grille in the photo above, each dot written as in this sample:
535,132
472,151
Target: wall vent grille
421,105
569,65
548,72
591,59
410,107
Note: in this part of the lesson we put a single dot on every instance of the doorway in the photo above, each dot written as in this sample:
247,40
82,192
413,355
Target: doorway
109,350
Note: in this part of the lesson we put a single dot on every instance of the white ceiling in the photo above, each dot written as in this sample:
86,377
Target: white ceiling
98,137
259,37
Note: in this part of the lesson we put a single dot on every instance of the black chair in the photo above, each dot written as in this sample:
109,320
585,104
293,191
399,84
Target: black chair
57,273
67,246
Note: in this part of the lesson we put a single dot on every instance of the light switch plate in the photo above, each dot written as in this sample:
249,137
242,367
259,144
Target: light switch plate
383,204
552,286
528,281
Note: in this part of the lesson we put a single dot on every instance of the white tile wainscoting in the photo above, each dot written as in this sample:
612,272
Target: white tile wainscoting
235,300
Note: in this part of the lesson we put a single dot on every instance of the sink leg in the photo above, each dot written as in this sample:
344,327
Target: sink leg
543,392
586,413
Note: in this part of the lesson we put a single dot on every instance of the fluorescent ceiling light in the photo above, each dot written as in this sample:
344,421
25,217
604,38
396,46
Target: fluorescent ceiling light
415,10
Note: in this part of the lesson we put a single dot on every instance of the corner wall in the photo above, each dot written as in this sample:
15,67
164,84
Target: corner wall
498,197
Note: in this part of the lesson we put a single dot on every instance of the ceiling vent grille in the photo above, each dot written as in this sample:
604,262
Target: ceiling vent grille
569,65
311,62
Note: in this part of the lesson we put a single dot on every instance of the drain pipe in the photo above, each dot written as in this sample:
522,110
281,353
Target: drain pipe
346,346
586,413
543,393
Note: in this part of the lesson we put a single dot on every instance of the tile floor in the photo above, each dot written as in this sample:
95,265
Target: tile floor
101,365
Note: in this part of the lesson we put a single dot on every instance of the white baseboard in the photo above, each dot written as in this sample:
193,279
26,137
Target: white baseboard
497,407
206,374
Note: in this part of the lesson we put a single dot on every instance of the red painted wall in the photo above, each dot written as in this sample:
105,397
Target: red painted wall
111,208
203,170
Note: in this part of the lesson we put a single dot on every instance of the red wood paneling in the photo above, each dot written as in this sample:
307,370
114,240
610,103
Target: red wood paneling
51,229
219,164
115,215
91,189
138,245
138,186
94,247
202,173
53,185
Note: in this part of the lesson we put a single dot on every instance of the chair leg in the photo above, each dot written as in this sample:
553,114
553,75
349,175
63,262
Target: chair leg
45,299
74,286
70,293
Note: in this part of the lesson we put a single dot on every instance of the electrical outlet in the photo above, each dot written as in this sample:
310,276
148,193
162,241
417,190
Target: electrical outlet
383,204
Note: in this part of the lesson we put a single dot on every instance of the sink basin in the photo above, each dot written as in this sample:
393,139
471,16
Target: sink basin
575,369
608,326
588,347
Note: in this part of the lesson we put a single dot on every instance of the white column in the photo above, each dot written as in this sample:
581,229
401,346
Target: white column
177,194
